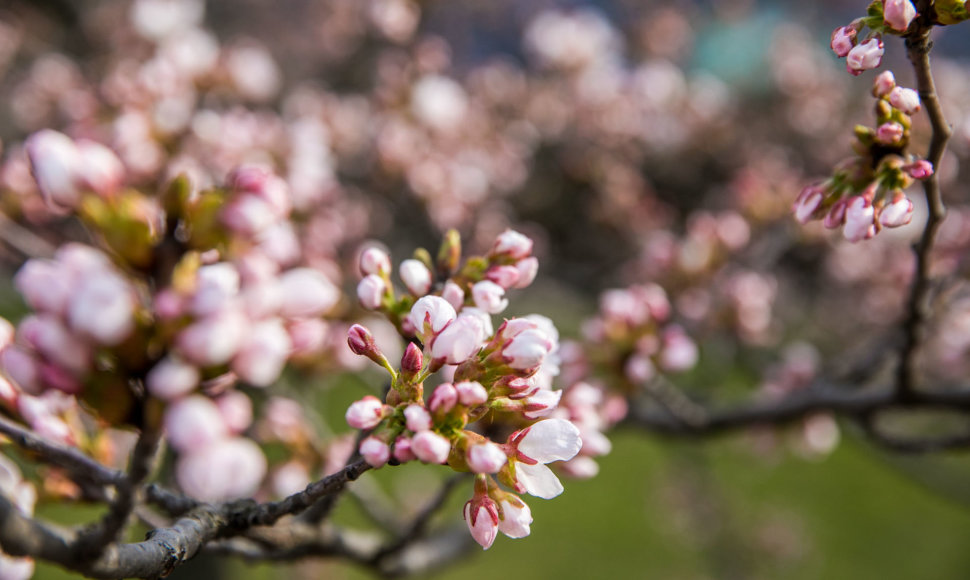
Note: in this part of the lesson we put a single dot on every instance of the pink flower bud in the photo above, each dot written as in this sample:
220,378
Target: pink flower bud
898,14
843,39
100,169
307,335
527,349
859,215
172,378
374,261
413,360
263,353
541,403
59,346
679,351
225,470
374,451
417,418
513,244
453,294
489,296
236,410
370,291
865,56
366,413
306,292
919,169
213,340
504,276
430,314
486,457
443,399
471,393
103,307
56,166
884,83
889,133
897,213
361,342
247,215
402,449
481,515
836,215
527,268
416,277
906,100
806,203
430,447
459,341
23,369
193,423
44,286
216,284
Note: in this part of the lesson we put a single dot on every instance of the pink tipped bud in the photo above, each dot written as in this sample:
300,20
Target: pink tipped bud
504,276
527,350
374,451
443,399
919,169
883,84
806,203
56,166
306,292
528,268
859,215
898,14
430,447
362,343
453,294
679,351
906,100
865,56
402,449
486,457
172,378
513,244
889,133
417,418
100,169
897,213
430,315
366,413
471,393
836,215
370,291
413,360
416,277
481,515
374,261
843,40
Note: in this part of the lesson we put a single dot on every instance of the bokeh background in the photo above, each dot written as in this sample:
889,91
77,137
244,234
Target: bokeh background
673,111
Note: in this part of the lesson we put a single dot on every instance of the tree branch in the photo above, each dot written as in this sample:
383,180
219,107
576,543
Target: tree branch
918,47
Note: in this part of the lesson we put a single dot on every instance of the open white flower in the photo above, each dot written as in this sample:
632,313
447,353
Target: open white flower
534,447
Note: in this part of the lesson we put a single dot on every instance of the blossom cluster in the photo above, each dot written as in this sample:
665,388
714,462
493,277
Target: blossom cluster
193,292
865,192
491,374
884,17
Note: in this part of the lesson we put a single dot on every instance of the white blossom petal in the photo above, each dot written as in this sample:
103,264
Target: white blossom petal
538,480
551,440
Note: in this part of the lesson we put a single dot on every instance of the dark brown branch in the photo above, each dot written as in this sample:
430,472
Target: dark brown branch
918,47
79,465
165,548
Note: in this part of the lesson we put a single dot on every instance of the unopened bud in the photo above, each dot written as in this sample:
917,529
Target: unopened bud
449,254
362,343
412,362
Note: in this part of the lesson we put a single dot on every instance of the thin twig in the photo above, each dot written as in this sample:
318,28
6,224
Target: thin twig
918,47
